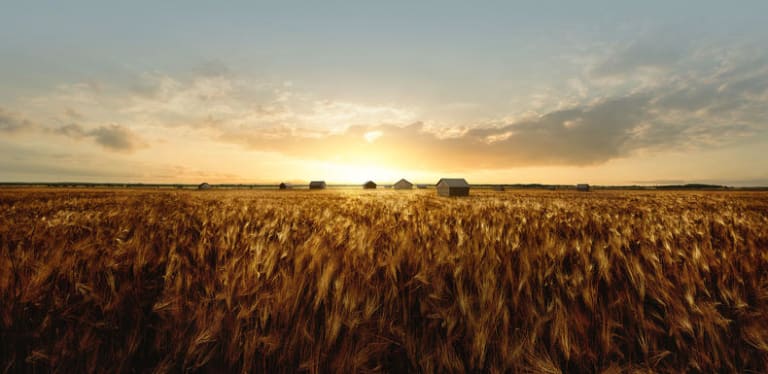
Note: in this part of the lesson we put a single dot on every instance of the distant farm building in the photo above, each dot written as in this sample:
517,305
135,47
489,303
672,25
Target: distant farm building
499,188
452,187
285,186
421,186
370,185
204,186
582,187
403,185
317,185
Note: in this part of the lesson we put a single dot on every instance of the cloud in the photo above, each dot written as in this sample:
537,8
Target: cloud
112,137
54,116
116,138
213,101
71,130
710,109
660,54
12,122
73,114
212,68
371,136
579,136
660,97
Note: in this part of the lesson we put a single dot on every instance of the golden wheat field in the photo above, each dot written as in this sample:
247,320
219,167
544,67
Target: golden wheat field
383,281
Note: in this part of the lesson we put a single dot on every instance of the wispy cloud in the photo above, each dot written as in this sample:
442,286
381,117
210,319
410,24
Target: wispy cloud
222,100
646,54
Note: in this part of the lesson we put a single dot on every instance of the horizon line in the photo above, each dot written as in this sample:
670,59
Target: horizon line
342,184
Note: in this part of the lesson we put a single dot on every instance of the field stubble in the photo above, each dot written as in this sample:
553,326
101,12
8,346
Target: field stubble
383,281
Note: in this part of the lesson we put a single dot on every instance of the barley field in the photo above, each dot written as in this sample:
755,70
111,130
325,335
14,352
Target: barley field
383,281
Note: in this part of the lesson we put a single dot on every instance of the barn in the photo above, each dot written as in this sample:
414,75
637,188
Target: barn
370,185
285,186
583,187
403,184
204,186
317,185
452,187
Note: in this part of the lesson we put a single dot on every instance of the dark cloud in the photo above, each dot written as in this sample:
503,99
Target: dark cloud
116,138
12,122
72,130
73,114
112,137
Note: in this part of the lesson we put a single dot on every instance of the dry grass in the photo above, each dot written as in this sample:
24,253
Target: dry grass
383,281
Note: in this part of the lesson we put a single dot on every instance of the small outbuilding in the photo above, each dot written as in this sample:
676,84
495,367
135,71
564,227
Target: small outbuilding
285,186
421,186
403,184
370,185
498,188
452,187
317,185
583,187
204,186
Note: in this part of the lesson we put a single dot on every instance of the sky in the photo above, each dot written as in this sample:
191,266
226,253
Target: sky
656,92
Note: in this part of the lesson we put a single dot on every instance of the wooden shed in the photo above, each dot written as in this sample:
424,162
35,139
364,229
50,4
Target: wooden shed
583,187
403,184
452,187
370,185
317,185
204,186
285,186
